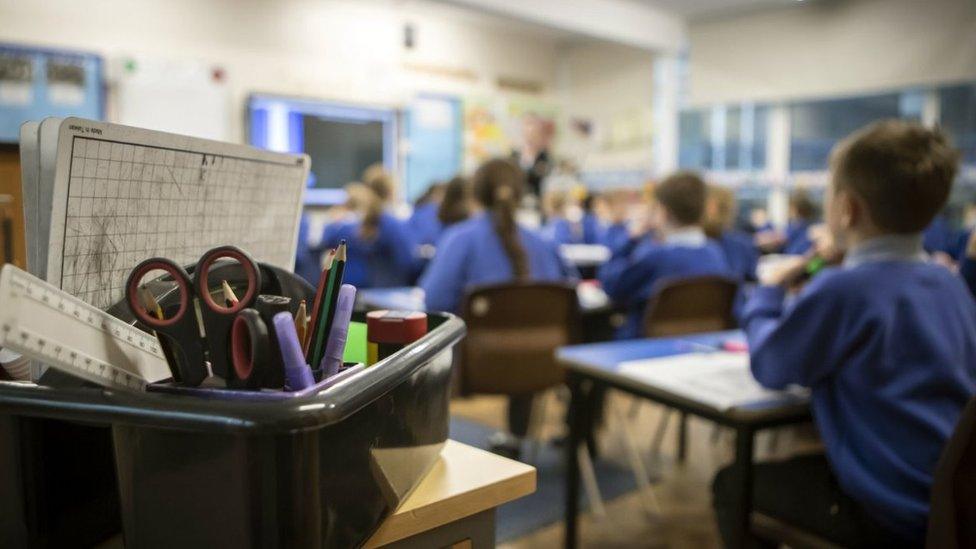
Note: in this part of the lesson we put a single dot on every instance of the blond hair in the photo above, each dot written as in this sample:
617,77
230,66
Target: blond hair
720,210
381,187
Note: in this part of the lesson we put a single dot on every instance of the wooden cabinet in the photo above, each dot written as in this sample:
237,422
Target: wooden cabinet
12,244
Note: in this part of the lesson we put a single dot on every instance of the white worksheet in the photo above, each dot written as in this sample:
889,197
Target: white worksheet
718,379
122,195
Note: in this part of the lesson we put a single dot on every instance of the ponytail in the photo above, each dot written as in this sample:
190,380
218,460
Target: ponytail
371,217
379,183
498,185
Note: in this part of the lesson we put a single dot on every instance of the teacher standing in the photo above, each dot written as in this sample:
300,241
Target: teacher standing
533,155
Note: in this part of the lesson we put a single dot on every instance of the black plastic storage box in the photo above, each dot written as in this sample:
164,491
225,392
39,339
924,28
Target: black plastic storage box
308,470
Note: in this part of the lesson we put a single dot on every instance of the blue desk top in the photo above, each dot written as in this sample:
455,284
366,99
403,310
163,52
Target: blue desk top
605,359
409,298
406,298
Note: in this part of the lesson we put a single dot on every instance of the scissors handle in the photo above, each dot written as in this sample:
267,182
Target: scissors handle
217,317
180,329
250,350
201,279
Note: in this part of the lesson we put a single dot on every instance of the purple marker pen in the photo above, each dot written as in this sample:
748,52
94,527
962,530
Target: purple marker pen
298,376
336,345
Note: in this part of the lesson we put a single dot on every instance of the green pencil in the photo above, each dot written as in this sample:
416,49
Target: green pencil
327,307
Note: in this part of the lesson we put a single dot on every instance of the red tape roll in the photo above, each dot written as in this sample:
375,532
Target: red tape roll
400,327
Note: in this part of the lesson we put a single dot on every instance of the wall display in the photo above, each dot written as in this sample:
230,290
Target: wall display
37,82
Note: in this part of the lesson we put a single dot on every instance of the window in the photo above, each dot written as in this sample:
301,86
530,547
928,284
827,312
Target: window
958,117
695,146
723,138
816,126
744,146
732,144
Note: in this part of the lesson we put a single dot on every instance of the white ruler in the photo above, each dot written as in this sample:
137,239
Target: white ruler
58,329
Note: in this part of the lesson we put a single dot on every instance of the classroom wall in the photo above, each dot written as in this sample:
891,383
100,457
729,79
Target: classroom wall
347,50
611,86
831,48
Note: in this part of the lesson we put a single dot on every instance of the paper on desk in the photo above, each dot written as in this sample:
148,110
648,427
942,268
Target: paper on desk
721,380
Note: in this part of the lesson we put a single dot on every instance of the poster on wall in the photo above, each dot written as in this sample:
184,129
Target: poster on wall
493,126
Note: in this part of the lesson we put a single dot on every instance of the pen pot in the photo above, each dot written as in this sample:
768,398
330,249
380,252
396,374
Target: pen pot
215,467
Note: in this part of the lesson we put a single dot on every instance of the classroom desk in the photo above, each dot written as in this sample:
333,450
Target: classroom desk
592,367
455,503
586,257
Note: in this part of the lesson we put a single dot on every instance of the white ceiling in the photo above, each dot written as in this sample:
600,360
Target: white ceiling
695,9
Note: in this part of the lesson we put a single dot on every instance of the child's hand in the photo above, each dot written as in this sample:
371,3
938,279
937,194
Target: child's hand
786,272
824,245
770,240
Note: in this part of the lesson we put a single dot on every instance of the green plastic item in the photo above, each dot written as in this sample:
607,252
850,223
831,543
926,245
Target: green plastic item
815,265
355,350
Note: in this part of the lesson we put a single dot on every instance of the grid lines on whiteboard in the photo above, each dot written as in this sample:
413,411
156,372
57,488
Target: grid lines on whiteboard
129,202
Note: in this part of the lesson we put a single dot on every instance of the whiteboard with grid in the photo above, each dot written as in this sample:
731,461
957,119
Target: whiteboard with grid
124,194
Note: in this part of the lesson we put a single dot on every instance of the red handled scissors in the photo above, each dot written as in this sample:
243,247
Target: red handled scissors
213,343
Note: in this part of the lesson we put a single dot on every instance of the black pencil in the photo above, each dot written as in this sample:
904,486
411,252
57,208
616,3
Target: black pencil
329,308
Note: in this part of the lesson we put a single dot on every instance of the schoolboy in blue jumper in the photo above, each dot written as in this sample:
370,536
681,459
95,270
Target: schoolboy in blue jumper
382,251
593,227
558,228
803,214
740,251
886,342
631,275
424,224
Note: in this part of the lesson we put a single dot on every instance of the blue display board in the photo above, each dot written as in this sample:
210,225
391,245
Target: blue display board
433,130
36,83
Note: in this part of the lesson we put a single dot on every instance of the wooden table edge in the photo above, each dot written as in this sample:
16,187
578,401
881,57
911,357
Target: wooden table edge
404,525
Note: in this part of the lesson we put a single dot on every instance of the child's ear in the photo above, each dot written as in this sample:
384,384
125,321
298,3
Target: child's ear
850,209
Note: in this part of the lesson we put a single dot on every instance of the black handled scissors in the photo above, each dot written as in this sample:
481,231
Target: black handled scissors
184,331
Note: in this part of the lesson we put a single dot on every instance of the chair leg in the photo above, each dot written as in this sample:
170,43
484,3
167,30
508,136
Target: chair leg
588,475
773,441
662,427
682,437
716,433
537,422
648,498
634,408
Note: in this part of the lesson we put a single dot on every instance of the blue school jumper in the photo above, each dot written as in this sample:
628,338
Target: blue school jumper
471,254
425,225
593,229
887,343
562,231
939,236
629,278
740,254
616,237
307,259
388,260
797,238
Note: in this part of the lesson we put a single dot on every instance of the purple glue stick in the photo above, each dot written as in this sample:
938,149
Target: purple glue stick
298,376
336,345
